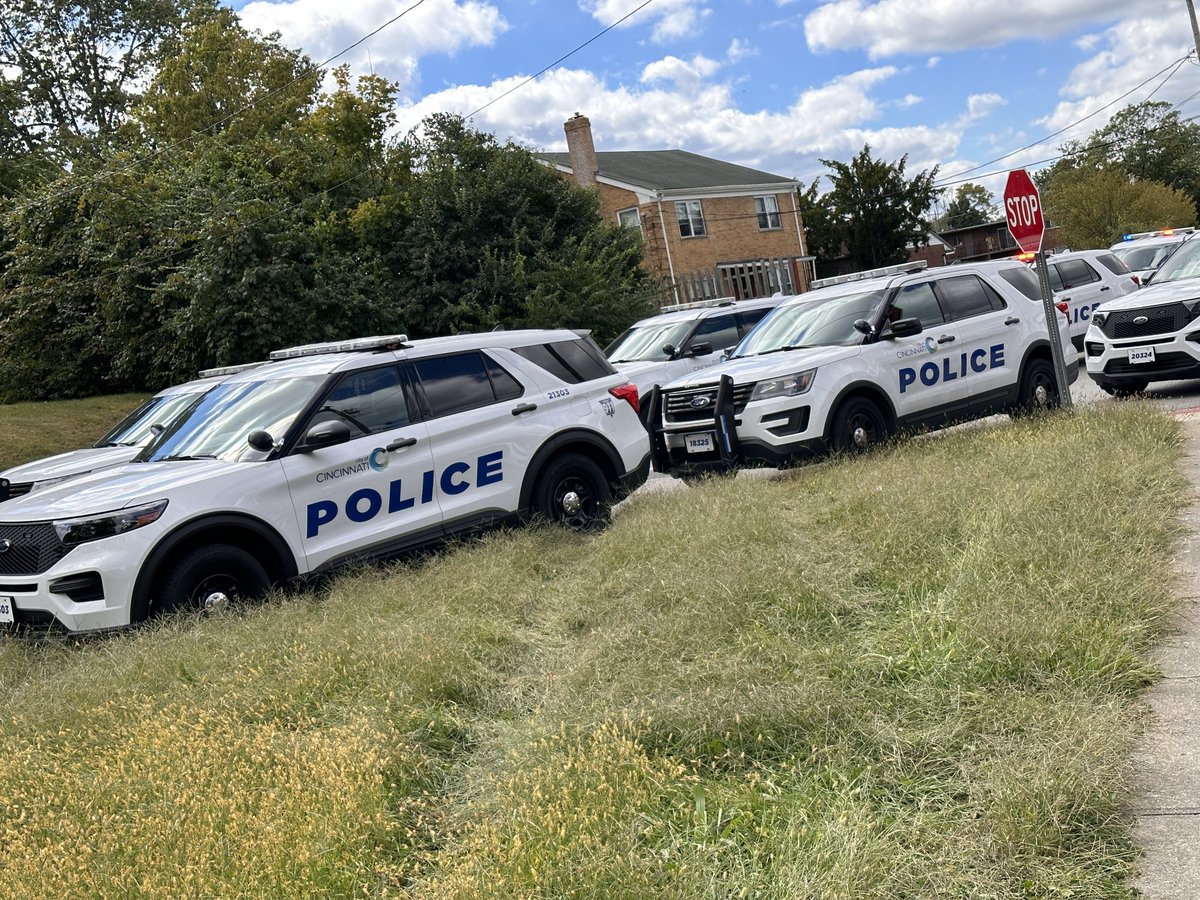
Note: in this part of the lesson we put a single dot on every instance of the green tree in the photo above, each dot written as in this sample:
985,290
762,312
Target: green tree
972,205
1093,209
878,210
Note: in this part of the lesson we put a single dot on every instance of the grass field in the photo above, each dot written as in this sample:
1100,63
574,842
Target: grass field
32,430
915,674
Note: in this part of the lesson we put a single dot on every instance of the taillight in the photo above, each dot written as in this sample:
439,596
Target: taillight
1136,280
1063,308
627,392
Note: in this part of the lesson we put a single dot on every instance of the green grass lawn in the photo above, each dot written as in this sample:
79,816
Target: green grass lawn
916,674
33,430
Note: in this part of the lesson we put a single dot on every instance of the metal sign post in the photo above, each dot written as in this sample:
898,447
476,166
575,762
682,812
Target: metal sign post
1056,347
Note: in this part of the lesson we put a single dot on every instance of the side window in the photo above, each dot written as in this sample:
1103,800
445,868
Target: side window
1024,281
504,386
1056,281
369,401
569,361
1075,272
454,384
1113,264
917,301
717,331
750,318
967,296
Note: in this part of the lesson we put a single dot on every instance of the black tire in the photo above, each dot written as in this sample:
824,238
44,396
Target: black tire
209,578
571,490
858,425
1038,390
1128,389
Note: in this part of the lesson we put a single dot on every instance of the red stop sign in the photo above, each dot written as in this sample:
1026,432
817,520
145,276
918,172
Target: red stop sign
1023,209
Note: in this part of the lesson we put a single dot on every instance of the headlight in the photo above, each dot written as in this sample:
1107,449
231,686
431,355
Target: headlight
787,386
93,528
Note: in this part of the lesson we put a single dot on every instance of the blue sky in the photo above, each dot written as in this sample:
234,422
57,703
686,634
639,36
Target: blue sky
772,84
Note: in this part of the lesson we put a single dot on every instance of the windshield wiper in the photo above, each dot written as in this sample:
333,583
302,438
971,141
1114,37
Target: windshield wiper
784,347
185,456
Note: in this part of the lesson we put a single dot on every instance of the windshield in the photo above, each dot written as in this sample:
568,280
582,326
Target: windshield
645,342
1183,263
1139,258
817,322
217,425
137,428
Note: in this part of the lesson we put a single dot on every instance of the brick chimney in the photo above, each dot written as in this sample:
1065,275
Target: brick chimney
581,150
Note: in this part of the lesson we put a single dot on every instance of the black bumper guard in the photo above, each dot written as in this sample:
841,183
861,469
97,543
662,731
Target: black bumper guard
724,427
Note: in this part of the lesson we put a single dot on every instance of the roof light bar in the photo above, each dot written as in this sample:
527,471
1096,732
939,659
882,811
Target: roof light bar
230,370
700,304
882,271
1163,232
379,342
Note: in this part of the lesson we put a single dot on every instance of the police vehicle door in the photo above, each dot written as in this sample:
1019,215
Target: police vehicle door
372,495
990,336
484,426
1078,285
924,387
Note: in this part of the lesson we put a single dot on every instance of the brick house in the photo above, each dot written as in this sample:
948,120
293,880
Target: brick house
712,228
991,240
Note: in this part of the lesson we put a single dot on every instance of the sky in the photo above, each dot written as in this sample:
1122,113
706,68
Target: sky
776,85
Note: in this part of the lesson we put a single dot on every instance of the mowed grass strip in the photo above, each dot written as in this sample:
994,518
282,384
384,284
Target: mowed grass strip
33,430
915,674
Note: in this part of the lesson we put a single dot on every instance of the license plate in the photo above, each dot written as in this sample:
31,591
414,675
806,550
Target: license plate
700,443
6,610
1141,354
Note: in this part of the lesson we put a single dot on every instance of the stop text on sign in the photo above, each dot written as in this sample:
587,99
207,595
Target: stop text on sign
1022,211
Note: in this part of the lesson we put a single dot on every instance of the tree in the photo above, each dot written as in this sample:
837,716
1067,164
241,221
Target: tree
1094,209
972,205
879,211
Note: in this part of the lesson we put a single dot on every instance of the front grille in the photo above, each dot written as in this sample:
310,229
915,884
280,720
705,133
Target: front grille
1163,362
677,404
1165,319
32,549
10,490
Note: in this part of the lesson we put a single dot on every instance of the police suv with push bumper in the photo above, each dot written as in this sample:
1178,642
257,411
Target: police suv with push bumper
336,452
853,363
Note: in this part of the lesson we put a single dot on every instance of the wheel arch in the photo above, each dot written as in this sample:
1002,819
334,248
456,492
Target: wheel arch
253,535
872,392
576,440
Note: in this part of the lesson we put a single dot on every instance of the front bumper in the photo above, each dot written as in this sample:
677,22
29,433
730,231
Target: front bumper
1108,361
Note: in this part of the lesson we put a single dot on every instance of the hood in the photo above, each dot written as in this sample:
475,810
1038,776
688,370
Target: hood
68,465
755,368
1155,295
644,374
129,485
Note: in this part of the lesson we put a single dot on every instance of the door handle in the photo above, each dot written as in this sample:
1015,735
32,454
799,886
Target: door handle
524,408
1105,288
945,339
400,444
1011,320
1063,299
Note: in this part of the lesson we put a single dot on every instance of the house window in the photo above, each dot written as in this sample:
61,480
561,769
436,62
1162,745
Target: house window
629,218
768,212
691,218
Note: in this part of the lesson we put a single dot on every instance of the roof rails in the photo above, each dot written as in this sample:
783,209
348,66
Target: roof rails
230,370
379,342
1162,232
901,269
700,304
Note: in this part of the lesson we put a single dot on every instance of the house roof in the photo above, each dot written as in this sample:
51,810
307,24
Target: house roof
670,170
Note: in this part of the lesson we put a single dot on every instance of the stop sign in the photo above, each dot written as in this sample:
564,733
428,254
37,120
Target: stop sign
1023,209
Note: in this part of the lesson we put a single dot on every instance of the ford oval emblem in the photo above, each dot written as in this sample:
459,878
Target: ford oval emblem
5,545
702,400
1140,320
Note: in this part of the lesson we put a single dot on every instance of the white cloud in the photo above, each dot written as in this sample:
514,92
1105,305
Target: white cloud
980,105
739,50
673,19
932,62
686,75
1088,42
888,27
909,100
322,29
831,120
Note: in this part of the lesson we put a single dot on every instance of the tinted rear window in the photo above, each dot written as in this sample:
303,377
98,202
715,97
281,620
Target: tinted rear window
1113,264
1024,281
570,361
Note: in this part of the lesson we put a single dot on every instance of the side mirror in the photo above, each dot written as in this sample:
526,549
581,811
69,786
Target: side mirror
669,349
325,434
261,441
904,328
701,349
156,429
864,326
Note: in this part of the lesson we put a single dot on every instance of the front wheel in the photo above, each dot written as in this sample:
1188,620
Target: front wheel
211,578
858,425
573,491
1038,390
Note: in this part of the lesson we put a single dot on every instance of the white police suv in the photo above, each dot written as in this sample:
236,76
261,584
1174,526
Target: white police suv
1151,335
686,338
1146,251
849,365
122,442
337,452
1083,279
